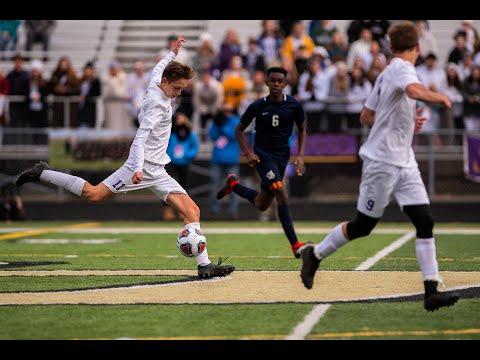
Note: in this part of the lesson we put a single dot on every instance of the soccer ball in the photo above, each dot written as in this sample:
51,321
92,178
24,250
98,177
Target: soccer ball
191,242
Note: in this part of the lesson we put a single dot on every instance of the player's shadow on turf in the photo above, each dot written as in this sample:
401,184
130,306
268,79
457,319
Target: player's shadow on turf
16,264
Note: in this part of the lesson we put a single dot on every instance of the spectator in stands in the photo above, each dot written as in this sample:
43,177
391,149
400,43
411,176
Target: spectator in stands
454,90
471,34
90,89
205,54
379,29
338,47
472,100
430,74
298,40
378,65
354,29
286,26
465,66
358,92
3,101
375,51
254,59
360,47
270,41
38,90
460,49
18,84
39,31
8,35
225,156
313,88
235,81
137,83
183,56
230,47
207,98
184,102
256,90
321,31
182,149
64,82
337,98
426,41
115,97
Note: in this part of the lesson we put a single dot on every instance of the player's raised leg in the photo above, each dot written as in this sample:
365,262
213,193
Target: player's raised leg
41,172
191,217
361,226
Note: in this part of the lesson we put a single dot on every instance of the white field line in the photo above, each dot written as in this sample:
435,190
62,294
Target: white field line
402,240
313,317
241,230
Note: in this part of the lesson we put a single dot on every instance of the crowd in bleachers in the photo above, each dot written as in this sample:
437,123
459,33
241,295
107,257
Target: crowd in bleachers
330,71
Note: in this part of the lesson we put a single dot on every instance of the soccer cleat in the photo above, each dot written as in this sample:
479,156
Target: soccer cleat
297,249
434,300
32,174
214,270
309,266
226,189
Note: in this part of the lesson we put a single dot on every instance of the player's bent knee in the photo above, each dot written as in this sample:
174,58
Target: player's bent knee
422,220
361,226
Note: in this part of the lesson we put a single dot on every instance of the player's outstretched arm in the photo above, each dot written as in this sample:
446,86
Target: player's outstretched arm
157,71
420,92
252,158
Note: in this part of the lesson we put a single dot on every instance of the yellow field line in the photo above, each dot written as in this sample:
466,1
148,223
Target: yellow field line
41,231
395,333
323,336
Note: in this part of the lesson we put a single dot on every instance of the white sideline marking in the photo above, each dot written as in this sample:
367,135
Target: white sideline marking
241,230
3,263
71,256
69,241
313,317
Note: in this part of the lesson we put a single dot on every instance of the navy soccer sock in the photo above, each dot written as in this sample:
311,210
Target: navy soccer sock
287,224
245,192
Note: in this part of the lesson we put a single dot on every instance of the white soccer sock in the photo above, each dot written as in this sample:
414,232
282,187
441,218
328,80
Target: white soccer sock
71,183
202,259
331,243
427,259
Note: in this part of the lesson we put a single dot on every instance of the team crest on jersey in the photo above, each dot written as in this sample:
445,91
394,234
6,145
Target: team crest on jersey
270,175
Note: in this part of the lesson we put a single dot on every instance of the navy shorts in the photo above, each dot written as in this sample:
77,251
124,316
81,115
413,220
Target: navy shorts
271,170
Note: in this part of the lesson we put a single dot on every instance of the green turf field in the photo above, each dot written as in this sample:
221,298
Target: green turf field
57,246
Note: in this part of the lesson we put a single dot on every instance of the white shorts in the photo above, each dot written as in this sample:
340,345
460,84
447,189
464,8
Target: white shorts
380,181
155,177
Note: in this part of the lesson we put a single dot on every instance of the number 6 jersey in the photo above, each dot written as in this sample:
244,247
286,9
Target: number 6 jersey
274,123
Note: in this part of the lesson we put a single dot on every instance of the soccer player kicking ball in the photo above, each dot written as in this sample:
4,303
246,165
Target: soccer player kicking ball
145,166
274,117
389,166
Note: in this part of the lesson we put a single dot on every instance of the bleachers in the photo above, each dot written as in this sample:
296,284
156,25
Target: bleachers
143,39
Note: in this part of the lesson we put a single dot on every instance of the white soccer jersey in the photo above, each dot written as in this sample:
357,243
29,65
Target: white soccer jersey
390,139
155,120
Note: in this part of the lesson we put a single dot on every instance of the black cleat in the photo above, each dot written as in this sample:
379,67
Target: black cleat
214,270
438,300
32,174
226,189
309,266
434,300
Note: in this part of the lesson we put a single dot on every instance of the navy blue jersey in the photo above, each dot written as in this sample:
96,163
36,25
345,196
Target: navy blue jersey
274,123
